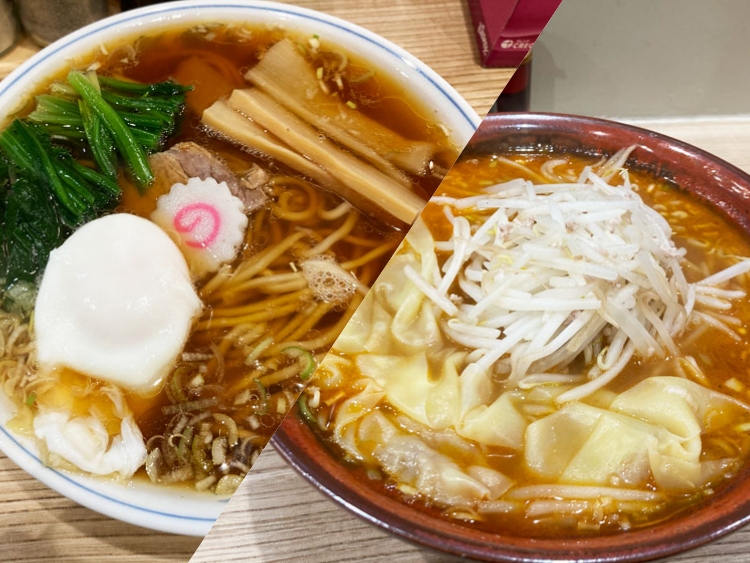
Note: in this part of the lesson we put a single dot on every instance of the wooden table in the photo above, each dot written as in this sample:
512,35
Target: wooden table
276,516
36,524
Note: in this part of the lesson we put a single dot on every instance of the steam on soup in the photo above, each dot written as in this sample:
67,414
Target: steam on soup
557,347
167,331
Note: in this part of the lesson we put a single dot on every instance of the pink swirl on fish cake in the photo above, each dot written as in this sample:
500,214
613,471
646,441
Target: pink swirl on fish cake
201,220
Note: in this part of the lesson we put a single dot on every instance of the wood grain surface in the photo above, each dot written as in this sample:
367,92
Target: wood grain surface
276,516
37,524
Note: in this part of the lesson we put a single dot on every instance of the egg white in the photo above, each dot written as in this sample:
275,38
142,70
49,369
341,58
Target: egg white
116,303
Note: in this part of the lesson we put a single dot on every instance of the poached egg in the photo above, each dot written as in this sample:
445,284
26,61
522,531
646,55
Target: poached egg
116,303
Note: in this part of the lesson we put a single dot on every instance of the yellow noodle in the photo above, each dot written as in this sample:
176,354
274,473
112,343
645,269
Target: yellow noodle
309,323
369,256
18,332
258,226
274,283
331,334
277,229
41,384
256,317
263,259
285,373
335,213
278,324
285,330
8,363
334,237
266,303
23,349
293,190
238,333
224,273
359,241
283,209
317,235
289,286
12,372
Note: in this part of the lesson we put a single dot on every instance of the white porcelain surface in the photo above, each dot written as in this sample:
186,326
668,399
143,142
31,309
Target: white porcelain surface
140,503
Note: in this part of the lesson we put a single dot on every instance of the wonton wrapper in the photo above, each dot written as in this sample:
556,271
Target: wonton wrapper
654,428
395,317
415,464
651,432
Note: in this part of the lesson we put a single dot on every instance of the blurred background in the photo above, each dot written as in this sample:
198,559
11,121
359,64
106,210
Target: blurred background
642,59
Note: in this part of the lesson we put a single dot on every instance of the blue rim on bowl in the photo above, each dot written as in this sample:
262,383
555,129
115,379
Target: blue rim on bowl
174,510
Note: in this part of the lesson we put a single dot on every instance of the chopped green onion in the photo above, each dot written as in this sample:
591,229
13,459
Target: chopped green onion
258,350
304,358
185,439
200,461
263,394
305,412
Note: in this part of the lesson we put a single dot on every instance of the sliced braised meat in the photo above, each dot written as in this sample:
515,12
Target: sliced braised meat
189,160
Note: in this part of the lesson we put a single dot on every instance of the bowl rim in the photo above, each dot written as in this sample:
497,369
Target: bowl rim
82,42
725,511
181,511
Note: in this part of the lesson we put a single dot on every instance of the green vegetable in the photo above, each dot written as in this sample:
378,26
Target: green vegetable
131,151
305,412
44,195
263,395
102,145
186,440
201,463
46,191
111,119
305,359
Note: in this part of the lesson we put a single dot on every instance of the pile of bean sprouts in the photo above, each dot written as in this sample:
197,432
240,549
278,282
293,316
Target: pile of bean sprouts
538,272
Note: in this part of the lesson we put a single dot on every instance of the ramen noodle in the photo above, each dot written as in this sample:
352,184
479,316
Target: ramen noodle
269,250
557,347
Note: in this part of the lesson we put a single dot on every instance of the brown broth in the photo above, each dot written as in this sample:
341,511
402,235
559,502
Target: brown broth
214,65
243,399
722,359
188,58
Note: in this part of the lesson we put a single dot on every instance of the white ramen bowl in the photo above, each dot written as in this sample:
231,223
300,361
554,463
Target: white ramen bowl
160,508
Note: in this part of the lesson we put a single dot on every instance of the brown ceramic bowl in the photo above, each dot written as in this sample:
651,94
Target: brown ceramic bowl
720,184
